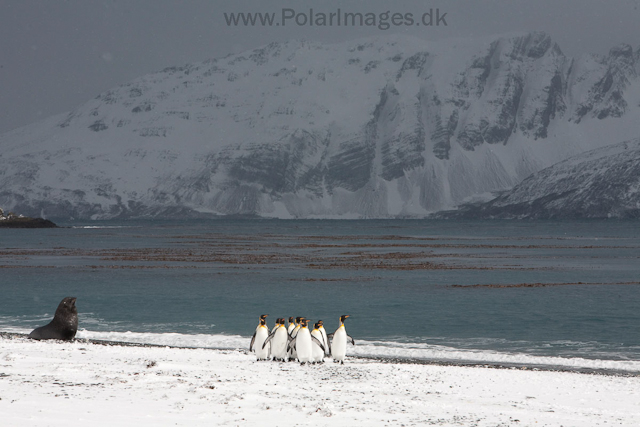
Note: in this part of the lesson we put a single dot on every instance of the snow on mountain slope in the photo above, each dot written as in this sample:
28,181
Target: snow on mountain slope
600,183
378,127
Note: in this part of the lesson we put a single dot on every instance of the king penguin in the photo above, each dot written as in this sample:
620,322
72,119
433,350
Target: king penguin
292,335
339,341
276,325
303,343
259,337
325,340
291,325
317,352
278,341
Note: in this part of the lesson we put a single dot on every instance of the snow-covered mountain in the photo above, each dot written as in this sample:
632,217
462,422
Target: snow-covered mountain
600,183
378,127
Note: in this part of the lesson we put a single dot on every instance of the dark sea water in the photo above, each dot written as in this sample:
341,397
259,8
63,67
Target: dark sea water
542,293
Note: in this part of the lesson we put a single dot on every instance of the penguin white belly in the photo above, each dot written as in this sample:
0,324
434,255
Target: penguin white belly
279,344
339,344
304,345
317,355
262,333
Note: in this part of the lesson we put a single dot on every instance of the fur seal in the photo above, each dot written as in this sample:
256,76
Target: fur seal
64,324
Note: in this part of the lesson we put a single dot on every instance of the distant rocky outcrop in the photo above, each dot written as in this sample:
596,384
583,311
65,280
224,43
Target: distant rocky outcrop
11,220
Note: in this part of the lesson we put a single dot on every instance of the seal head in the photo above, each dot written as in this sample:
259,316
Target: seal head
64,324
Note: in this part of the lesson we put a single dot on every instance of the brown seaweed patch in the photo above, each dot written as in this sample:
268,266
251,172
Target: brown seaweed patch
341,279
390,266
142,267
27,266
539,285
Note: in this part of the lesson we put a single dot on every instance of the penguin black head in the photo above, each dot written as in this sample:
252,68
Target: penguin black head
304,322
344,317
298,319
291,319
320,323
317,325
263,319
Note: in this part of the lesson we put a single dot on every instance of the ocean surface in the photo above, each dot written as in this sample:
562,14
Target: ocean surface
522,293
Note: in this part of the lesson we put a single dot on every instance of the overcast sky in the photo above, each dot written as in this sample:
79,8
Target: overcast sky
57,54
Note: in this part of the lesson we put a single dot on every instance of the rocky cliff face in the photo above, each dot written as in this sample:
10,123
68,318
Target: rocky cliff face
602,183
378,127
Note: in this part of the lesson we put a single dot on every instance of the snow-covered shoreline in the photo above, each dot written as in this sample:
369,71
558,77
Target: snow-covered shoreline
68,384
383,351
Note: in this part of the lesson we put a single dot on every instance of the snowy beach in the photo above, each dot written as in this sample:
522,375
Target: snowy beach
83,383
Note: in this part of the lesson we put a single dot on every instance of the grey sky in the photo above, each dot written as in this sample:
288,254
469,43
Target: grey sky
55,54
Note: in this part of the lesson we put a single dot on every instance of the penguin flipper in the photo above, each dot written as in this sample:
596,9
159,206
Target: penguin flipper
317,341
329,338
253,340
352,341
292,344
271,335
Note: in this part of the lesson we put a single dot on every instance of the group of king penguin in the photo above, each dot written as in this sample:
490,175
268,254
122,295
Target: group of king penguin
296,342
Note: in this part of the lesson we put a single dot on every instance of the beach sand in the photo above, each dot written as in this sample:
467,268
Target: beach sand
82,383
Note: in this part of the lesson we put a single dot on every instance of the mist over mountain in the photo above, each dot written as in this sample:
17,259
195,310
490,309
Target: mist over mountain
379,127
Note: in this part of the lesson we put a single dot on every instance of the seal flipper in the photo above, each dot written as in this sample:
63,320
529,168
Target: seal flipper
317,341
352,341
36,334
253,340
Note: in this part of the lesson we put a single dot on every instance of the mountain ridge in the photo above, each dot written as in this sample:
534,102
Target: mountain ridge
373,128
601,183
